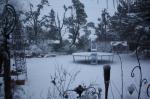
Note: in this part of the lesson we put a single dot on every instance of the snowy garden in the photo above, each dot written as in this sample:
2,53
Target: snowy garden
40,71
74,49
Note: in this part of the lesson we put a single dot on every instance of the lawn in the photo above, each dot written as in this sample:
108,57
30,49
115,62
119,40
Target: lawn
40,69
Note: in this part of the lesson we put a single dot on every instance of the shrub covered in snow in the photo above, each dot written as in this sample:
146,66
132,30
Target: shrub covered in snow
33,51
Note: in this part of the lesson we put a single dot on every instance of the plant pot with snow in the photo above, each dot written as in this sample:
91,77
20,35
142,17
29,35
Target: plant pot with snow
12,81
20,82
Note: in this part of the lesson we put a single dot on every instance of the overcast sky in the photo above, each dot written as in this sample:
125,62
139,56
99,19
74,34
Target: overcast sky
92,8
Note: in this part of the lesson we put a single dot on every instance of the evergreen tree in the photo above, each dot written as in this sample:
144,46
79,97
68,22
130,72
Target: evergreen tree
132,21
53,33
128,17
102,28
76,21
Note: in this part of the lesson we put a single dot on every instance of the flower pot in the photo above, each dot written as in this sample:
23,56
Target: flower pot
20,82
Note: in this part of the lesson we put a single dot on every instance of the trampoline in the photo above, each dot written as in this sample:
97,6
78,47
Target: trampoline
93,56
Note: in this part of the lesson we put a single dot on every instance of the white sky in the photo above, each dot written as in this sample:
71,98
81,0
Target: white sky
92,8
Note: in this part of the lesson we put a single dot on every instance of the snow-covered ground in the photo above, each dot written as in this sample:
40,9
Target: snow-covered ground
39,70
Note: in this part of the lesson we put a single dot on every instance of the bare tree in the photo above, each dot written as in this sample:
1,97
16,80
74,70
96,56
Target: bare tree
33,19
60,25
55,24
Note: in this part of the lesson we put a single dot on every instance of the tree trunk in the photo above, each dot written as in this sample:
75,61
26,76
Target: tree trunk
75,35
35,31
7,77
60,39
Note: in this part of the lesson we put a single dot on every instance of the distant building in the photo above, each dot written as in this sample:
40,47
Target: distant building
119,46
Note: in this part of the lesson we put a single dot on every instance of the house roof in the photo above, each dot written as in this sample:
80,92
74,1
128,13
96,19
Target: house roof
116,43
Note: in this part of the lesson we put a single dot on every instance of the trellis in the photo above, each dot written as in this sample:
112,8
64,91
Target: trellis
18,46
9,25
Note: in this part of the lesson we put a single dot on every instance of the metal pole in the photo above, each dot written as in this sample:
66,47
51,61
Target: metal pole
106,69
